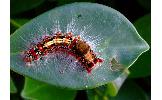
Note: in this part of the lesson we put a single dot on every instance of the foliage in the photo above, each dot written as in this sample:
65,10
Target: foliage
37,90
12,87
138,83
143,26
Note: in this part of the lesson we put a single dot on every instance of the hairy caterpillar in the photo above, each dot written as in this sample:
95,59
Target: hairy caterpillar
64,42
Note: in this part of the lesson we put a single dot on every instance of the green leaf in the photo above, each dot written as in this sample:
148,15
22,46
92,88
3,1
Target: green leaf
17,23
18,6
111,36
132,91
113,87
110,89
36,90
129,91
142,67
12,87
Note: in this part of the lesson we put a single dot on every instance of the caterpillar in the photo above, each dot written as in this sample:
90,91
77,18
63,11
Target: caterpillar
74,45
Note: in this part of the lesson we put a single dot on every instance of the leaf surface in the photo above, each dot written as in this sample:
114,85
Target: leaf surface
128,91
142,67
110,35
110,89
37,90
12,87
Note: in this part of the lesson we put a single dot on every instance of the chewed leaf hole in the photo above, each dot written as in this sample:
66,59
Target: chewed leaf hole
79,16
